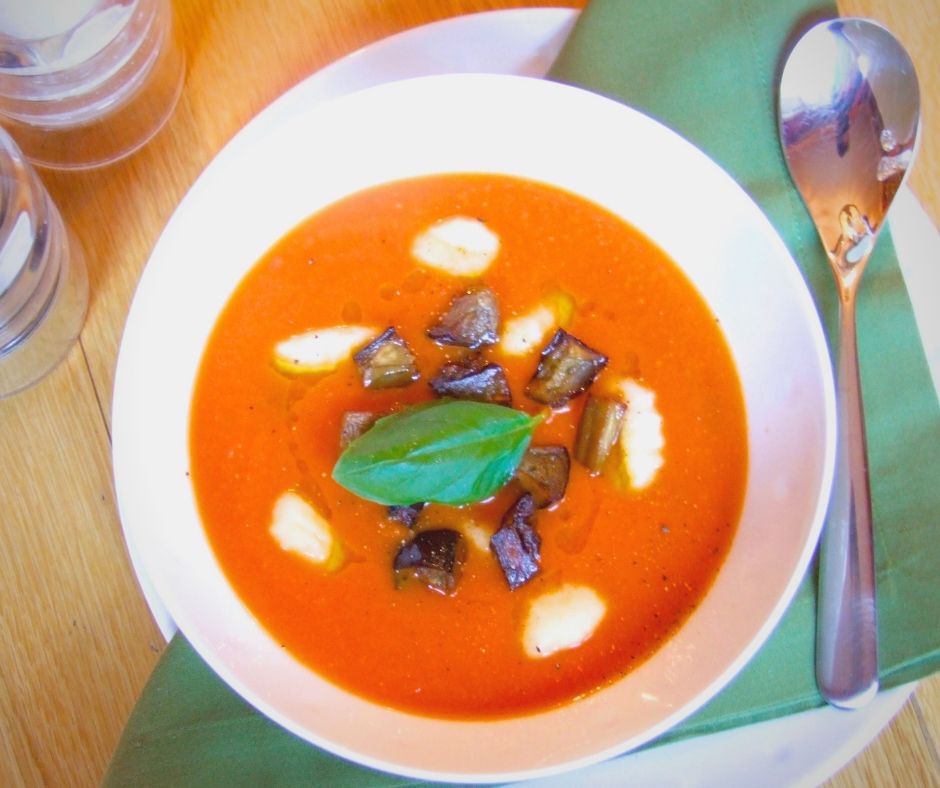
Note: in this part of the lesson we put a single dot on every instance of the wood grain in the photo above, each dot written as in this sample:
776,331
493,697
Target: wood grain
903,755
76,641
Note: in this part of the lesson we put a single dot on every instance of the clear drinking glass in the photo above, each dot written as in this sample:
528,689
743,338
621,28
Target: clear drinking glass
43,283
86,82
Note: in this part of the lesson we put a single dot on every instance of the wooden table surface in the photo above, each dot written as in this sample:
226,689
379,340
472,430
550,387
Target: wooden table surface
77,641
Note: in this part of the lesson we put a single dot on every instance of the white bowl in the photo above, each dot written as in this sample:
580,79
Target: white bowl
545,131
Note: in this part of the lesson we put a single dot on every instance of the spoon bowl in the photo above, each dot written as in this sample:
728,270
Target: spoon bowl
849,117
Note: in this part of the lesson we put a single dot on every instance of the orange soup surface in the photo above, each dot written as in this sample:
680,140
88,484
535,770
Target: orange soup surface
650,553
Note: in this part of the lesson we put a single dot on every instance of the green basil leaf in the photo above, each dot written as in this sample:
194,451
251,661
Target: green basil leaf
446,451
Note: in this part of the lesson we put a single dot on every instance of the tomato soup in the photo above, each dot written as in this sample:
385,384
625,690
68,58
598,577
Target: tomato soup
649,551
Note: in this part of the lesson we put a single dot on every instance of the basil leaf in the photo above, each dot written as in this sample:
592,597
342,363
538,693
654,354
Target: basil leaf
446,451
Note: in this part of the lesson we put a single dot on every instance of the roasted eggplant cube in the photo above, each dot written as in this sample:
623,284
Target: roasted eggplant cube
354,424
472,320
516,544
598,430
433,557
386,362
566,368
473,379
543,473
406,515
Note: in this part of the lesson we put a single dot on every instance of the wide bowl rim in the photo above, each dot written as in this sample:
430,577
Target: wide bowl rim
130,433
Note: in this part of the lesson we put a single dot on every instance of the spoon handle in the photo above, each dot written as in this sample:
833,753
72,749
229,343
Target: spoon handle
846,624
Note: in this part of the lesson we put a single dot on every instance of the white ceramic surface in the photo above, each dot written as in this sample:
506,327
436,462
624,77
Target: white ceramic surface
806,747
517,126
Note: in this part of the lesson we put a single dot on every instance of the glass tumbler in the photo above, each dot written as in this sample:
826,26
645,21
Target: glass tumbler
84,83
43,282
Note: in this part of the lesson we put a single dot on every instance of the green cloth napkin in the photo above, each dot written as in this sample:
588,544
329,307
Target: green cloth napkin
708,70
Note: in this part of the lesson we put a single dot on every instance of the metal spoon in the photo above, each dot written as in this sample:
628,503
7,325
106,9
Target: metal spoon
849,119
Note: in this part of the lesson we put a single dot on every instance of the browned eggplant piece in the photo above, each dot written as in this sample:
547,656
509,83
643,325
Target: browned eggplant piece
386,362
472,320
566,368
354,423
598,430
516,544
543,473
473,378
406,515
434,557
